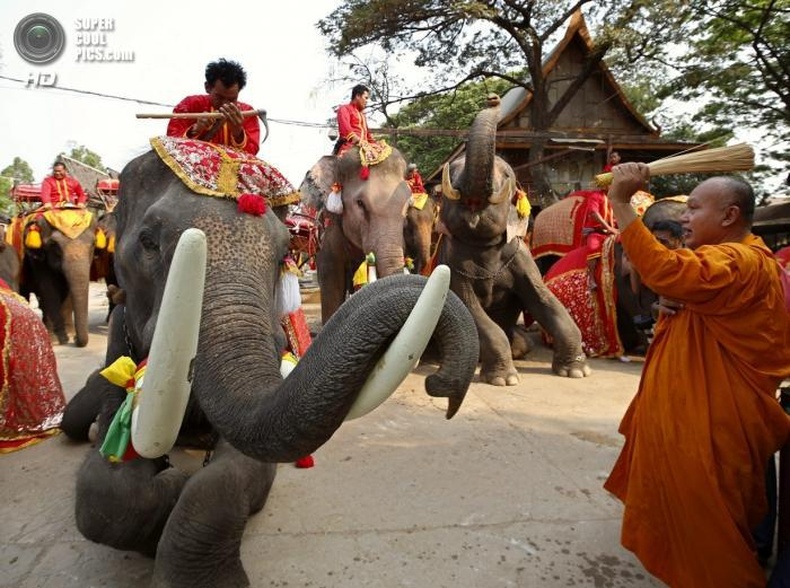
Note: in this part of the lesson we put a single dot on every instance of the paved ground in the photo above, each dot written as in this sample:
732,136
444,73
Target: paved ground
508,493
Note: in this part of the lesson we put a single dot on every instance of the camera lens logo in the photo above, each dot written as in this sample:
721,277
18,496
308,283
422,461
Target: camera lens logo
39,38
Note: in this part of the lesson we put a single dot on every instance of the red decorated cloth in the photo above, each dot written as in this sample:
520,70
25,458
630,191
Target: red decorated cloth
297,332
178,127
593,311
216,170
31,397
66,190
559,230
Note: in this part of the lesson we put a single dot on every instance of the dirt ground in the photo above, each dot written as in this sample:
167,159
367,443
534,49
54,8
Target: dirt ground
507,493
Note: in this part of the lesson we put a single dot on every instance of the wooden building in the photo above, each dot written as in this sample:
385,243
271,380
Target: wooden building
598,119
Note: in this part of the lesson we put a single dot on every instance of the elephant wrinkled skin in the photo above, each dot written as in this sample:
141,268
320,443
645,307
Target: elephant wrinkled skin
498,279
60,269
372,220
194,525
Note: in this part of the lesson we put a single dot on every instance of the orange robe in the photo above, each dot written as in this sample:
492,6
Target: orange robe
705,420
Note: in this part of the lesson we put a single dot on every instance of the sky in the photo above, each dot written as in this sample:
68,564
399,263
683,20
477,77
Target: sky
160,51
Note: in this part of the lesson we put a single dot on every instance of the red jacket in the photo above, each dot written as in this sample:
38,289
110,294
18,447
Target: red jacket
59,191
177,127
352,124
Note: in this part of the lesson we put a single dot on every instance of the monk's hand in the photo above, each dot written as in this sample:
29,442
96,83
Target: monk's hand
627,180
667,306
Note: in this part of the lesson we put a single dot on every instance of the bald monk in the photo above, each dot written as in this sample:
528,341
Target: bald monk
705,420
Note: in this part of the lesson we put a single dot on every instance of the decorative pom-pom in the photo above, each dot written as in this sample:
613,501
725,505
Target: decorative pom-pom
305,462
364,172
252,204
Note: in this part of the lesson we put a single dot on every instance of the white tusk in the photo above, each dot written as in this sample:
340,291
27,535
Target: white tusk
164,391
407,347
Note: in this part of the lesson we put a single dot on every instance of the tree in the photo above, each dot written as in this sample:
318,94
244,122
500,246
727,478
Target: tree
467,40
738,66
19,171
88,157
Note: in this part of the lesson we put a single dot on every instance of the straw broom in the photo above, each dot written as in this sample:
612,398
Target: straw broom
738,157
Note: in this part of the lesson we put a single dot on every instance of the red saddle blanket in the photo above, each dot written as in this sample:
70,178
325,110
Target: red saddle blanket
218,170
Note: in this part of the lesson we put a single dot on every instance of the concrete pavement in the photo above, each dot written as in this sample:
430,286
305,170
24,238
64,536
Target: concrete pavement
508,493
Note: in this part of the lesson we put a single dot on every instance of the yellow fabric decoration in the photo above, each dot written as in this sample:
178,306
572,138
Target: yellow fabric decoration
122,372
101,239
418,200
69,221
33,238
361,275
523,206
111,244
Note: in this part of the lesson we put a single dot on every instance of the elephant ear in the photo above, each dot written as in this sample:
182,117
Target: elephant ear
317,183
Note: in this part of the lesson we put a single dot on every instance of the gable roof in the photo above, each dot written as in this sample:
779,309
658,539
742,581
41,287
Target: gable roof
613,122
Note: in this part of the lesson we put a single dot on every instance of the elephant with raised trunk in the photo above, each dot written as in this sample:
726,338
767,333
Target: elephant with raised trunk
194,525
495,277
371,221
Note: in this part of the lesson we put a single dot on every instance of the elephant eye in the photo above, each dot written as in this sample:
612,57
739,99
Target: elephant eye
147,241
360,203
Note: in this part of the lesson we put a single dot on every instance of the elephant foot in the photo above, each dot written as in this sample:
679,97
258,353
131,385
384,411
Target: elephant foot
521,344
63,338
575,368
500,378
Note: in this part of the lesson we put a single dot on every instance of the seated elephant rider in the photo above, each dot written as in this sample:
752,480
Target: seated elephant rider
60,188
224,80
352,125
414,179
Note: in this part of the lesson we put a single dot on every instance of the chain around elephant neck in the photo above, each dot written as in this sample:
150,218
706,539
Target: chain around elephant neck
127,338
497,273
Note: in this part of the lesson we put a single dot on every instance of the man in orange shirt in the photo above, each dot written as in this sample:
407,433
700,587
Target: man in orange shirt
60,188
224,80
705,420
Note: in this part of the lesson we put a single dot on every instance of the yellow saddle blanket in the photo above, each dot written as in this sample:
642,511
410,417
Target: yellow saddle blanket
69,221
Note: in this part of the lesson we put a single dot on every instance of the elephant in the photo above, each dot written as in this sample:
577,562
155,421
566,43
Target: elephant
495,277
60,268
371,221
239,406
622,313
103,266
418,233
10,264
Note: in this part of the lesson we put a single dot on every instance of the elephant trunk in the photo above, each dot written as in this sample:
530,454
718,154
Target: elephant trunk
242,393
389,258
77,257
476,180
